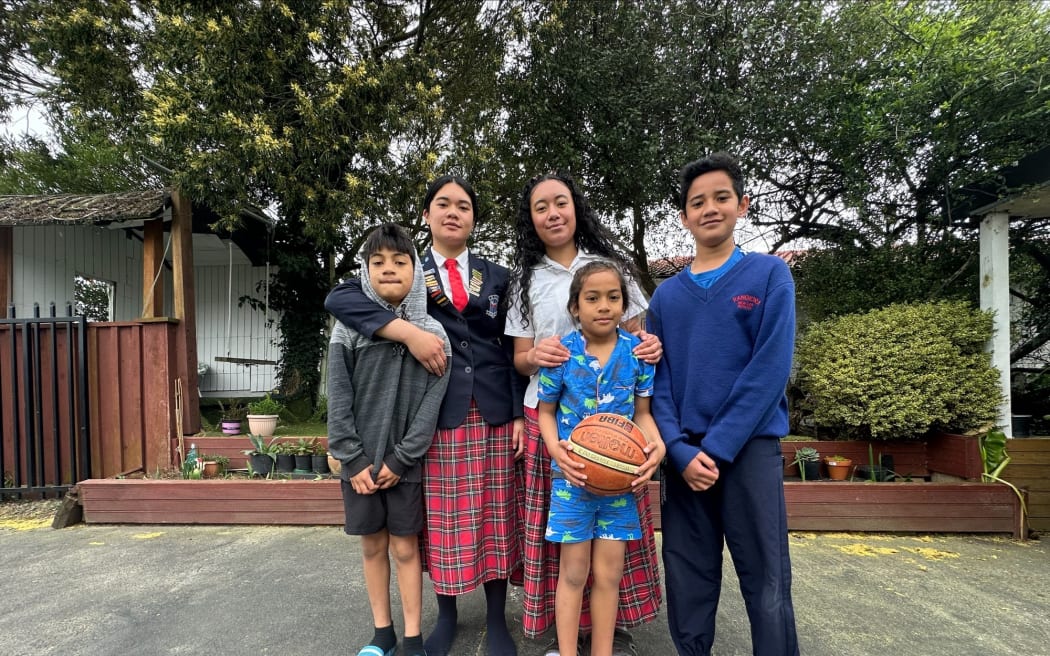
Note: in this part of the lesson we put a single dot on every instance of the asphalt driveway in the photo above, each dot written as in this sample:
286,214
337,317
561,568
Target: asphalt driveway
287,590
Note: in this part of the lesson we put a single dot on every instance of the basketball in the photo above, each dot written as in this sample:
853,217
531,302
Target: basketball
611,448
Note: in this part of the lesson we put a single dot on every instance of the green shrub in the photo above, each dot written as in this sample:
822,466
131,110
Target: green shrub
265,406
898,372
320,414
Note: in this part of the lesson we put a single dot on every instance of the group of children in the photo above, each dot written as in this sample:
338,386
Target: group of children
440,437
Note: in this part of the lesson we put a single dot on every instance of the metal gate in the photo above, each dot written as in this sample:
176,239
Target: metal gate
43,403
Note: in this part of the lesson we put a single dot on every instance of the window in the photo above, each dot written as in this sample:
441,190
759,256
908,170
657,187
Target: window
93,297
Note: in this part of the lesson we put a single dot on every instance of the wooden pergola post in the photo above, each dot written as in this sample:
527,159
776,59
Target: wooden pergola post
184,297
152,261
995,296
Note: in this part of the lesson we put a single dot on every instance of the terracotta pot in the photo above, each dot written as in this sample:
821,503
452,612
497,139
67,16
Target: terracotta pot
839,469
211,469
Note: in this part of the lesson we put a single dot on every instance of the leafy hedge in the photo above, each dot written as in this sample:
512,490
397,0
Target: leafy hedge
898,372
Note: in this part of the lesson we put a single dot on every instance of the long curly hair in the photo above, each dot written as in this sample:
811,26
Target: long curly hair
529,250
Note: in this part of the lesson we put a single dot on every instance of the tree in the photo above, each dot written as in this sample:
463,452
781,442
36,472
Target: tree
318,109
897,104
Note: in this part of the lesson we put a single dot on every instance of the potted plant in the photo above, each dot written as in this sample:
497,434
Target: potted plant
319,459
808,460
838,467
232,416
285,457
213,466
263,415
262,455
304,451
876,471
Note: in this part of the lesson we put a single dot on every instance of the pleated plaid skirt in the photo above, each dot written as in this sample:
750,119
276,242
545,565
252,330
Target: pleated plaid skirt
640,592
472,532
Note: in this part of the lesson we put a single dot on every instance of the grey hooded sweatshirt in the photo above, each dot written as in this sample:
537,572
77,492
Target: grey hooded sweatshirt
382,404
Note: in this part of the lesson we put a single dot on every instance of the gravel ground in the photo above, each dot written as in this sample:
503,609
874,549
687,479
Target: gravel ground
17,510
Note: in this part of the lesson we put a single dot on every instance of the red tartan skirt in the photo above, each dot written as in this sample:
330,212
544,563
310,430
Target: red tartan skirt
640,592
472,533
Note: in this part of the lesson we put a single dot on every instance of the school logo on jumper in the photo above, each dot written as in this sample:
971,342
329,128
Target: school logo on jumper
747,301
493,305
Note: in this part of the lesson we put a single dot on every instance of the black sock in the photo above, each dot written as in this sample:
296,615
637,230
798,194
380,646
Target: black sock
497,641
440,639
384,638
413,646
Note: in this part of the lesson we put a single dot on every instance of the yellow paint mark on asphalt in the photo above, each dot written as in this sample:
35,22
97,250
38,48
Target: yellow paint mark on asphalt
148,536
932,554
870,537
96,544
24,524
866,550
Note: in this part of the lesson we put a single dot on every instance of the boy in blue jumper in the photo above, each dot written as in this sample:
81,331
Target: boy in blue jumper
727,324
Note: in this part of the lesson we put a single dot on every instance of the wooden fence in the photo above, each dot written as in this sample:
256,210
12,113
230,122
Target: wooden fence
131,372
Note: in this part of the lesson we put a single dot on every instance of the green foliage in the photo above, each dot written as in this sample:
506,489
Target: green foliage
305,446
233,409
92,298
994,458
320,414
849,279
806,454
897,372
261,447
267,405
222,461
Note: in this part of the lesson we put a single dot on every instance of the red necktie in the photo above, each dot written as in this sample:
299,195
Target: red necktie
455,281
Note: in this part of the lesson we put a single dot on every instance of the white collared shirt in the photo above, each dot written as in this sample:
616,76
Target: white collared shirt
548,301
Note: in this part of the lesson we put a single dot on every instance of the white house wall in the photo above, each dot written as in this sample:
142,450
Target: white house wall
47,258
249,336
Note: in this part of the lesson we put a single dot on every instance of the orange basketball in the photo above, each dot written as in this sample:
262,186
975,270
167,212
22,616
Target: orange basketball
611,447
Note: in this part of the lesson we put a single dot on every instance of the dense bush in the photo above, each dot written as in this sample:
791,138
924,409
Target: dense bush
847,279
897,372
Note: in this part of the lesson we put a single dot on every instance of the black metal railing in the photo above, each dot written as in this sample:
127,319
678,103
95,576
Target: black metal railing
43,403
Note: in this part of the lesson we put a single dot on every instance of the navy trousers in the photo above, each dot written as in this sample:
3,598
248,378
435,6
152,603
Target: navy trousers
744,510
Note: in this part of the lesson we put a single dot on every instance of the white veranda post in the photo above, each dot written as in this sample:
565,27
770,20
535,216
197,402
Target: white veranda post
995,296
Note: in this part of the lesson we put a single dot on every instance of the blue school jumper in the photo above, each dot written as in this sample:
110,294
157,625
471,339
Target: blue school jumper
482,357
720,388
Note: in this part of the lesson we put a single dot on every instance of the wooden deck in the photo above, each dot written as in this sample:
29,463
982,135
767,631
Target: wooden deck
818,506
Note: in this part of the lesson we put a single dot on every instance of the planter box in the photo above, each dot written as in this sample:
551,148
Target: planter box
909,458
825,506
904,507
230,501
233,447
955,455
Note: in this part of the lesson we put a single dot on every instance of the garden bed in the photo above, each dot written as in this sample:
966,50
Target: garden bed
817,506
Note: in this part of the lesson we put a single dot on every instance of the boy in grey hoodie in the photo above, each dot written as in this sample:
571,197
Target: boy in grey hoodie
382,411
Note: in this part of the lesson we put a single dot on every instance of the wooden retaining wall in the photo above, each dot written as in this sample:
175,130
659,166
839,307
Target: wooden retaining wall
1029,468
142,501
831,506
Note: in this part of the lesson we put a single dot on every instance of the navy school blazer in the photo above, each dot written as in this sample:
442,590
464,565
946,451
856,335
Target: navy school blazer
482,356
